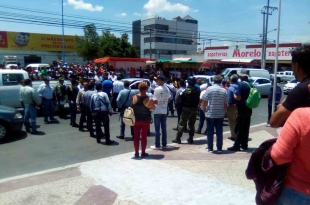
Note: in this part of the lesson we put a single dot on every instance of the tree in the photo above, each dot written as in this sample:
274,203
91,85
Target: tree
112,46
88,45
92,46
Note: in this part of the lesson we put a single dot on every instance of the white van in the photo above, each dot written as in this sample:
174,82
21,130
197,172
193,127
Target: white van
10,83
253,72
38,66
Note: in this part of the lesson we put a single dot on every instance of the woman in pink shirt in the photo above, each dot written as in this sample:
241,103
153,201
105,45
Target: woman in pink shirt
293,147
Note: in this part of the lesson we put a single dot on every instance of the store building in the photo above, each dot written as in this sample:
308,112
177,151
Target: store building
37,48
249,55
161,38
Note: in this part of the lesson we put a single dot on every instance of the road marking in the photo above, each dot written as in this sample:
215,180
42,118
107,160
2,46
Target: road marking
78,164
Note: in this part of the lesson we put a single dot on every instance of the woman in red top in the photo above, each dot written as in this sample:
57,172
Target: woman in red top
293,147
141,105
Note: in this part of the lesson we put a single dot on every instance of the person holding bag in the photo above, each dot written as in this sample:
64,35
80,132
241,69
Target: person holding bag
123,101
141,104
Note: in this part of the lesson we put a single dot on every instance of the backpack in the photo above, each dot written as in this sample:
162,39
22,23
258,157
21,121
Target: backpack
254,97
129,117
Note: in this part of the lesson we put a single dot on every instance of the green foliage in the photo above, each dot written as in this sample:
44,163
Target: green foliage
92,46
88,44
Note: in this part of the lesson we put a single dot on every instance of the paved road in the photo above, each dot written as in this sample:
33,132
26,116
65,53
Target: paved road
63,145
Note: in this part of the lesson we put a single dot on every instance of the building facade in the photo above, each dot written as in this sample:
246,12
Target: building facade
161,38
38,48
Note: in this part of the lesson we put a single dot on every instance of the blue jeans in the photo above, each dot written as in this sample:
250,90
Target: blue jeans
202,119
160,120
30,112
292,197
73,111
122,125
218,124
48,109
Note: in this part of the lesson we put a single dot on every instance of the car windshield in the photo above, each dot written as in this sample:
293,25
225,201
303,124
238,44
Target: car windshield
206,80
225,72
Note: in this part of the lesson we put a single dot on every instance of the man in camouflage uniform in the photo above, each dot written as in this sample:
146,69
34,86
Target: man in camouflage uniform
60,90
190,99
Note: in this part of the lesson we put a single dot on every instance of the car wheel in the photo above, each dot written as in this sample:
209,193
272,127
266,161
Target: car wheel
4,130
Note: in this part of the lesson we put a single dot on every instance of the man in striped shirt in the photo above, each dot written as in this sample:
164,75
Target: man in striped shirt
215,105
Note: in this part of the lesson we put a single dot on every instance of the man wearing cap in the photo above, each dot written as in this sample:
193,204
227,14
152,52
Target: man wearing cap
162,97
60,90
45,91
244,113
81,106
190,99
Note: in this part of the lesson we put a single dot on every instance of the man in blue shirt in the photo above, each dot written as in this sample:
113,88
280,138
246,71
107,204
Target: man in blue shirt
232,110
244,113
107,85
277,101
123,101
101,109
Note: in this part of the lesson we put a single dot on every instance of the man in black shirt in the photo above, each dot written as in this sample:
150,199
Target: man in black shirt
299,96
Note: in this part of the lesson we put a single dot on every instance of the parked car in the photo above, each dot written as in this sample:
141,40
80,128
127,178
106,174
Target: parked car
10,121
134,83
283,76
289,86
253,72
263,85
205,78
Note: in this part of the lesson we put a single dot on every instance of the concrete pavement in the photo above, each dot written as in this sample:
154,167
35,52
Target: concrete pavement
179,174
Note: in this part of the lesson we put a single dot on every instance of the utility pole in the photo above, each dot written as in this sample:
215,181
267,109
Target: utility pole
266,14
63,33
263,63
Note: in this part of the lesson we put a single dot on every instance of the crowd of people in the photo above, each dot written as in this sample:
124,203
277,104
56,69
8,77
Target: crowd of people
98,99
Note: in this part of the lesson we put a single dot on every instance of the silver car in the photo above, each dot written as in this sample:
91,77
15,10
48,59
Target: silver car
263,85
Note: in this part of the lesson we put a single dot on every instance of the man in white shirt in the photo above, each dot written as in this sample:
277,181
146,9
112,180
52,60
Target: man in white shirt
118,85
112,77
162,97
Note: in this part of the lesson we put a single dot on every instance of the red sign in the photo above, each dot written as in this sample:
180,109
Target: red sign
3,39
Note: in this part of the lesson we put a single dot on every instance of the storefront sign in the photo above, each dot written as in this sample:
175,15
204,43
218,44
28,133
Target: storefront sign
244,53
36,42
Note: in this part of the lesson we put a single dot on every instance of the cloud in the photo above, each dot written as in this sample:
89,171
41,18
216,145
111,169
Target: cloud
136,14
195,10
121,14
81,5
157,6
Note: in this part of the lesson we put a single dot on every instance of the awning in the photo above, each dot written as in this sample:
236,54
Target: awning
238,60
109,59
182,59
163,60
206,64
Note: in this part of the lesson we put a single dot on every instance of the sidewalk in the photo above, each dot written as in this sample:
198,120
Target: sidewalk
180,174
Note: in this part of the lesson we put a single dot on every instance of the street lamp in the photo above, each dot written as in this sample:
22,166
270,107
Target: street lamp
261,35
63,33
